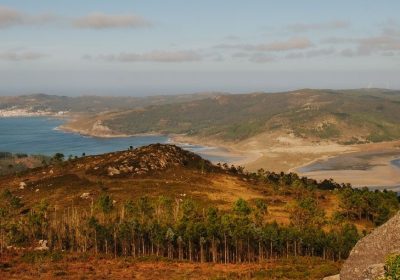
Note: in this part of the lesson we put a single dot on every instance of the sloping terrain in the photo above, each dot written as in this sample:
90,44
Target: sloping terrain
152,170
89,104
145,161
162,203
12,163
347,116
163,170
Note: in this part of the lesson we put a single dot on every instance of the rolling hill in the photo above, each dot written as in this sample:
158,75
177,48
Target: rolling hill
344,116
89,104
160,202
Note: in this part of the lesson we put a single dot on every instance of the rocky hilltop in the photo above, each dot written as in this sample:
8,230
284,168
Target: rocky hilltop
366,260
145,160
175,191
157,169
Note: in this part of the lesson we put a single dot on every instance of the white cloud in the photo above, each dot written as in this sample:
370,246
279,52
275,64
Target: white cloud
103,21
349,52
11,17
385,43
389,53
154,56
290,44
391,28
295,55
373,45
232,38
240,55
330,25
20,56
338,40
311,53
320,52
261,58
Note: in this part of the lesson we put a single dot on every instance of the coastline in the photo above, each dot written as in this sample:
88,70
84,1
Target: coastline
270,152
375,170
23,113
223,149
68,129
252,153
97,129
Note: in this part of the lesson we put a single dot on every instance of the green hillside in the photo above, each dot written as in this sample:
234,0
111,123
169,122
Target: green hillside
91,104
346,116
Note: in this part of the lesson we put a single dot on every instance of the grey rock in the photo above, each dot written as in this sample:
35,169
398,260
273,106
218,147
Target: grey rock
375,271
367,257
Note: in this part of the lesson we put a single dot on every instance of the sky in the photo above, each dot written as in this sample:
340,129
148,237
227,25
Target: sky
152,47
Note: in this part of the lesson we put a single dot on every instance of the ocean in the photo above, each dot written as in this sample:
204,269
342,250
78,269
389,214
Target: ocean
39,135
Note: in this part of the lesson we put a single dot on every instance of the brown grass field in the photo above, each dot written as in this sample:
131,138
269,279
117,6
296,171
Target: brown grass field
83,267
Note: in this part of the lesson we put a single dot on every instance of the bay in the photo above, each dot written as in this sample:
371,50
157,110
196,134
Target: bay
39,135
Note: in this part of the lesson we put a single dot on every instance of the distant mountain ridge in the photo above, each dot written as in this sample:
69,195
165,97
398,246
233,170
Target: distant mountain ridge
91,104
344,116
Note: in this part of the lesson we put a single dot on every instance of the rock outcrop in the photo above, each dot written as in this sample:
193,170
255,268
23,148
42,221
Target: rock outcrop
334,277
366,260
145,160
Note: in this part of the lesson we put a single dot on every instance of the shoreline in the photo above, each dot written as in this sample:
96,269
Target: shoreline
376,169
214,150
224,149
102,135
270,152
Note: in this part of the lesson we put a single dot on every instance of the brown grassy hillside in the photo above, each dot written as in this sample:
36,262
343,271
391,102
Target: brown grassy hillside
154,170
115,215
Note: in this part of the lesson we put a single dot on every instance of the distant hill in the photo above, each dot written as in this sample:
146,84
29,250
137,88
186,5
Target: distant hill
345,116
90,104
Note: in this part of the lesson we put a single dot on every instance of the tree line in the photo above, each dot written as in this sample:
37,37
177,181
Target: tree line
179,229
355,203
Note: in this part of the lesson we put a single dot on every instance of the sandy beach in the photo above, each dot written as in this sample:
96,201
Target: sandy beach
277,152
290,154
370,168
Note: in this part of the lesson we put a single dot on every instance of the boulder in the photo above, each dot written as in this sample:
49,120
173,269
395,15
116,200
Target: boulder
113,171
366,260
42,246
333,277
22,185
85,195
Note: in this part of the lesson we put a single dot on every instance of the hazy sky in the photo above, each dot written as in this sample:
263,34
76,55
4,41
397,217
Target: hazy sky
143,47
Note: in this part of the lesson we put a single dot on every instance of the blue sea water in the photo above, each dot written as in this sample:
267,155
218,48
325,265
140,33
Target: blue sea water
396,162
39,135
